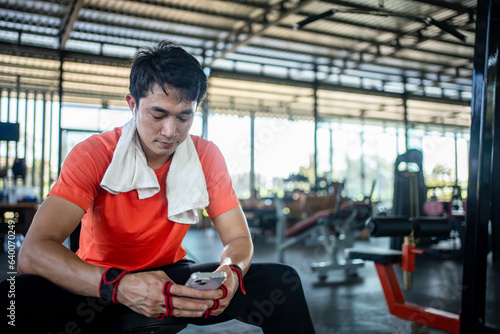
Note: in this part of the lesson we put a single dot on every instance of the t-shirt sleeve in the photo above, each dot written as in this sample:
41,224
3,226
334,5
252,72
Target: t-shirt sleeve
219,186
81,173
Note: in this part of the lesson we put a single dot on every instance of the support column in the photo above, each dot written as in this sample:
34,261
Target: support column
204,114
331,152
362,172
42,158
59,153
51,122
26,126
405,110
33,141
8,121
253,194
456,157
316,120
18,93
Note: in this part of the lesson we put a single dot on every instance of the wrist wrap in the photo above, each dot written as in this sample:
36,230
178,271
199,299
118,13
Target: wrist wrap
238,271
109,283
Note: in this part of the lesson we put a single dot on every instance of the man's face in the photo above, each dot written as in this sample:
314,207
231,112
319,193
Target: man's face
163,122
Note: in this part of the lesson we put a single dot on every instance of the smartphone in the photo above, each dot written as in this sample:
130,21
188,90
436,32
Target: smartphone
206,281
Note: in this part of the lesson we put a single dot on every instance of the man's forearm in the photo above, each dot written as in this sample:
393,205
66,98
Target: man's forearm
238,251
50,259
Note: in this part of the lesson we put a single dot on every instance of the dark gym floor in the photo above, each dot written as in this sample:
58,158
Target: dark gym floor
343,304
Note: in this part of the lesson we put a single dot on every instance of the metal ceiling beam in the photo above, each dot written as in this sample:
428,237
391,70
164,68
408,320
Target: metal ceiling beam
459,8
399,33
121,12
233,37
412,47
336,19
124,11
68,22
375,44
350,4
402,68
453,5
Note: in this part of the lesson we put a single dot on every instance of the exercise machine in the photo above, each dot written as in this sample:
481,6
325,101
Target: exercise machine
332,229
386,259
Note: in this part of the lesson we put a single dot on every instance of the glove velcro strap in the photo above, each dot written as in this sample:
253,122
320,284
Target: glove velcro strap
216,302
169,306
109,283
238,271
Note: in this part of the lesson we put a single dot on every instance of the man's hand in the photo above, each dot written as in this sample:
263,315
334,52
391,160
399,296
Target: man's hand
232,284
143,293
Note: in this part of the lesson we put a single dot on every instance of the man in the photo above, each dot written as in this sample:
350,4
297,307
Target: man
135,190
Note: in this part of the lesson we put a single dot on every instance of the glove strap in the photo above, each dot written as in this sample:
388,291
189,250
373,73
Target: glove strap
109,283
168,300
238,271
216,302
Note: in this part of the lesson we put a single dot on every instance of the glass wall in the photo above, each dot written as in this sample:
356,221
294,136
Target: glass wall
363,155
357,153
445,160
282,148
232,135
37,115
78,122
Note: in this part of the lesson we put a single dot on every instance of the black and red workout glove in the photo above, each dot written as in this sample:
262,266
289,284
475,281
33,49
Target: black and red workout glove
169,306
109,283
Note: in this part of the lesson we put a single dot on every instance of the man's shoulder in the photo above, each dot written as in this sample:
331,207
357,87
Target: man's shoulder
98,147
106,140
202,144
110,138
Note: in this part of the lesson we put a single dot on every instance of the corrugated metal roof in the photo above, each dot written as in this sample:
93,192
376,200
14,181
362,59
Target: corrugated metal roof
362,58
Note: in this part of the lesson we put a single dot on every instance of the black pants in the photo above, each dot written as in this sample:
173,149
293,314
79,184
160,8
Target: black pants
274,301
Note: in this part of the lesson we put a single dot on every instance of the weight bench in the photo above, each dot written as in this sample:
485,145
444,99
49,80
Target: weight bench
385,259
332,228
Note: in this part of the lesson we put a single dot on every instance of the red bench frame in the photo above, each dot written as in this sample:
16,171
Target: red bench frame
398,306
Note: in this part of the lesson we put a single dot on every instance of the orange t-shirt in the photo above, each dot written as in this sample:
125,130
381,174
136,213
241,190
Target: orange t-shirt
122,231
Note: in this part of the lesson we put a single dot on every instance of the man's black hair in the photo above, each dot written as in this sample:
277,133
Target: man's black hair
167,63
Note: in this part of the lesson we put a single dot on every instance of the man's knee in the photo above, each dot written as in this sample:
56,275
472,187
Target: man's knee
275,289
279,275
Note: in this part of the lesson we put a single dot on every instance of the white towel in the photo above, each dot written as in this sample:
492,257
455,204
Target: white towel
186,186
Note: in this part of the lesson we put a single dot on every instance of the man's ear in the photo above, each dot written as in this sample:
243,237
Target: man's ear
131,103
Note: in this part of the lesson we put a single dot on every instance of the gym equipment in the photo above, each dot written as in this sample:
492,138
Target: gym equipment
390,226
332,228
410,191
385,259
433,207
